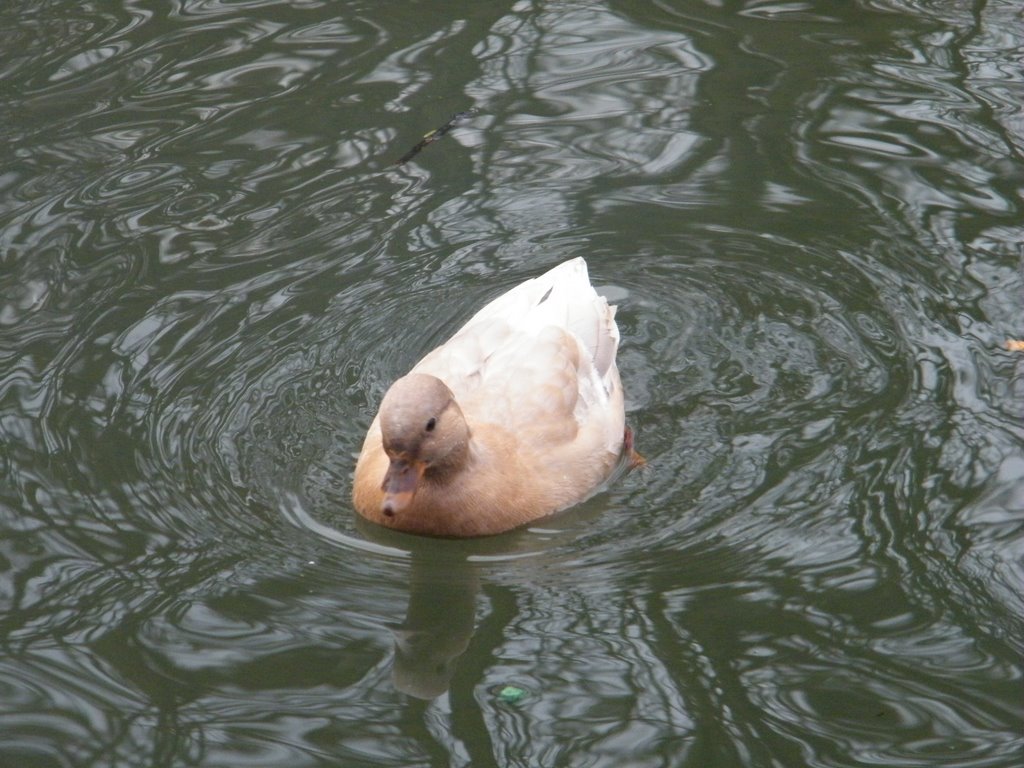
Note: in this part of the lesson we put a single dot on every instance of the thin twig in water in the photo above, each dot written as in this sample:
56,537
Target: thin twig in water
436,134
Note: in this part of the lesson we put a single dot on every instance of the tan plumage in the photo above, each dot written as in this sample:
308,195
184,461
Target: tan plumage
520,414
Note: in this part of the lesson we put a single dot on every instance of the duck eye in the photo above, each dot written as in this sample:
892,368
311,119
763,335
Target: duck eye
431,424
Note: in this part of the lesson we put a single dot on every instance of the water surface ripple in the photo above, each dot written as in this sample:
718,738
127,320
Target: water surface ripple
211,268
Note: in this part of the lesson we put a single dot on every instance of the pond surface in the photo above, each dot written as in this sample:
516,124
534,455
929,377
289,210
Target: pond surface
211,268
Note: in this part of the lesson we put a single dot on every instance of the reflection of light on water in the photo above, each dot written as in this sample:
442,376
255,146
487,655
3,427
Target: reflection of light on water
296,514
522,544
503,558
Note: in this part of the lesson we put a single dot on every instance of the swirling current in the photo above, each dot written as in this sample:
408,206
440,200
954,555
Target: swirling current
217,251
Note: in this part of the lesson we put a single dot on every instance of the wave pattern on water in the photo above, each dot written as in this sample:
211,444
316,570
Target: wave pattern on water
211,270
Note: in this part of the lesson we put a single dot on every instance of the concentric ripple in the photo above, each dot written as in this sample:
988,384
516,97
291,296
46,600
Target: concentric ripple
212,266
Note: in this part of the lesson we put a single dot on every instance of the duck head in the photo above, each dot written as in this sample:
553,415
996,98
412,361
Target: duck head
424,433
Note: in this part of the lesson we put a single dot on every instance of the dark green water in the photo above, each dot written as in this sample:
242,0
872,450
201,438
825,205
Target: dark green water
810,216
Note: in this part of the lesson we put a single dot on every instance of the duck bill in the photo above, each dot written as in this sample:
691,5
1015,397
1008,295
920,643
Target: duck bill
400,484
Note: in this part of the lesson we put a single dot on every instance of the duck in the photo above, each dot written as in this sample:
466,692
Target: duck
519,415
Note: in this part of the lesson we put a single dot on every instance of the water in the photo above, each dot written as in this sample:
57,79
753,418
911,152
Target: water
211,268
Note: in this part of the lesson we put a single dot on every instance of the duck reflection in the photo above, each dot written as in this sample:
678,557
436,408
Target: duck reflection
445,577
438,626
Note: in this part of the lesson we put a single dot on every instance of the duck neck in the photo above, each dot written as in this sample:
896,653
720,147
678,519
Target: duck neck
458,459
